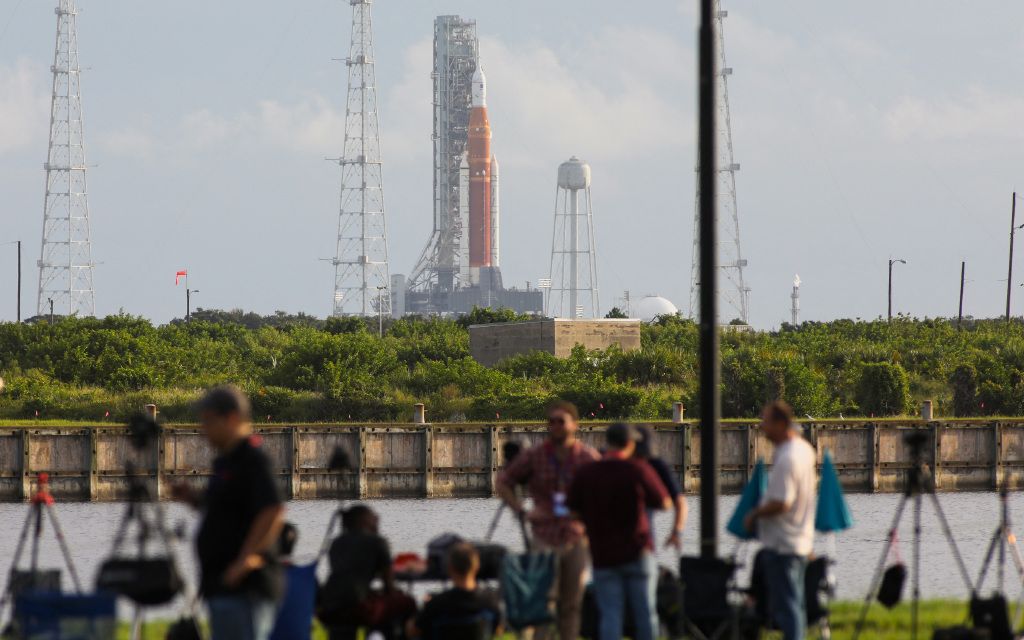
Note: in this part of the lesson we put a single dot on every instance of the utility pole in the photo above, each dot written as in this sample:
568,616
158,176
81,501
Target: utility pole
892,261
19,281
963,273
50,300
1009,270
710,397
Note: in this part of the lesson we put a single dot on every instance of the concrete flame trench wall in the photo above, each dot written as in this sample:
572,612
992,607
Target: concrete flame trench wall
95,463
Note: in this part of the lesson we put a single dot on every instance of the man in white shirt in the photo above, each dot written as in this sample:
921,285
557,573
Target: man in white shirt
785,519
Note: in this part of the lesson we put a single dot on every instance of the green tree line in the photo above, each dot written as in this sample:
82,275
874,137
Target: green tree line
298,368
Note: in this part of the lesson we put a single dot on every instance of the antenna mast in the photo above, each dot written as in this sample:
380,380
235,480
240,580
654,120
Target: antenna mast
65,258
733,290
361,263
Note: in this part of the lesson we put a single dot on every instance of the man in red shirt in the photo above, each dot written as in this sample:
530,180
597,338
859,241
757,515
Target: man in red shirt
548,470
612,497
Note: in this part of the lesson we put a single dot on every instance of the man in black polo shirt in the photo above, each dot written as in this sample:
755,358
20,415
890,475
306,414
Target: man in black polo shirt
243,514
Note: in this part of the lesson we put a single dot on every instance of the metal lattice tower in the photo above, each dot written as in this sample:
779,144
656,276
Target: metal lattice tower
733,291
456,51
361,279
573,292
65,259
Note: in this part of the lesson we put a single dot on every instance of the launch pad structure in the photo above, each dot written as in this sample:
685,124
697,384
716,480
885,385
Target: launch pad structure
459,268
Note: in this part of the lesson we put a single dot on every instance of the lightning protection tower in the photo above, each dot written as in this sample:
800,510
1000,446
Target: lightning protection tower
573,292
733,291
65,259
361,279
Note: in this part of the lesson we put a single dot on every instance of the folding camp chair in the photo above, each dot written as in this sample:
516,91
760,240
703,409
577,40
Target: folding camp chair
708,613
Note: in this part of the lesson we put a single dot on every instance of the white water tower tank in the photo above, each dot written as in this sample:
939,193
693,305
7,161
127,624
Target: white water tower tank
574,174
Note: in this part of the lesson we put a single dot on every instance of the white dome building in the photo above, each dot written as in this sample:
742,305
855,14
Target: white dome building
651,307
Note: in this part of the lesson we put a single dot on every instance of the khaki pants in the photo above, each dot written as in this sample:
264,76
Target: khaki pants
571,563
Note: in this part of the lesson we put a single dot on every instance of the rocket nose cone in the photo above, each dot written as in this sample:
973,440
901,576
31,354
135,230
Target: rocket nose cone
479,87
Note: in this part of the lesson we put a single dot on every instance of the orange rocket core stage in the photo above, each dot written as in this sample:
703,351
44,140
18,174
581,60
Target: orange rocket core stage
479,156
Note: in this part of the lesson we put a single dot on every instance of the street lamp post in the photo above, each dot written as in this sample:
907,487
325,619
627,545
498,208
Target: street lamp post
19,281
892,261
380,310
1009,270
188,302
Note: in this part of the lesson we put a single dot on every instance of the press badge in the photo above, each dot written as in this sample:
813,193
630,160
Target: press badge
559,507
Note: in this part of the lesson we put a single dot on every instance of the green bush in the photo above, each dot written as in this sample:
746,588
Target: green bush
883,389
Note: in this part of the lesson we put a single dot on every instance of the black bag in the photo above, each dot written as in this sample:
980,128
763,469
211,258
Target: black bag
22,581
437,554
891,590
146,581
184,629
491,558
992,615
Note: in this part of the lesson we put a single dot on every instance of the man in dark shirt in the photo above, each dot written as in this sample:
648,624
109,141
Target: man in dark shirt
461,613
242,519
611,497
358,557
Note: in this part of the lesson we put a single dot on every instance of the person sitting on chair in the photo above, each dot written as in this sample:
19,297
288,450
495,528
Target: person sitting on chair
463,612
358,557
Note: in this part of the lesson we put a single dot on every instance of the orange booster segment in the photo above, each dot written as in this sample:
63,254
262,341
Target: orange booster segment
479,156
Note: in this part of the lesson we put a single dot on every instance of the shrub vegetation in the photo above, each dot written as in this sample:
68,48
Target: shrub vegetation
301,369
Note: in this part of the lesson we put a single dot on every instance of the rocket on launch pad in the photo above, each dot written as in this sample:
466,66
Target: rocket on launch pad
479,193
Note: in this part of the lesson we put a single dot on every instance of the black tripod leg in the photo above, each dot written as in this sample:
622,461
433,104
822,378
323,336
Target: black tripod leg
18,550
988,559
37,535
876,579
948,533
59,532
494,522
916,598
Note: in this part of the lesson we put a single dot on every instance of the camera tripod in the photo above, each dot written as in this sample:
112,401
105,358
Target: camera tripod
41,503
919,482
1003,540
146,525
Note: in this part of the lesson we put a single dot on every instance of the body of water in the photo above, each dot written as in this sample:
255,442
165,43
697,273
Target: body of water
410,524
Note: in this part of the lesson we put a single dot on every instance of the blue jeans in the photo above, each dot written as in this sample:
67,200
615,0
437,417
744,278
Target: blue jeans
613,586
241,617
784,577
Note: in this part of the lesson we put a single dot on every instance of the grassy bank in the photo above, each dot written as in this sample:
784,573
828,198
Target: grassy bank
881,624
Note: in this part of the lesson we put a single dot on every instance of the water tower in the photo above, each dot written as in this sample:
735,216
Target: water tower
573,292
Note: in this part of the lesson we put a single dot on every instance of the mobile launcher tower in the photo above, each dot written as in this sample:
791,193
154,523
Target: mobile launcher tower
460,267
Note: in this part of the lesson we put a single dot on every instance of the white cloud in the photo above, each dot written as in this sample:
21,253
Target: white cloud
24,105
979,113
599,101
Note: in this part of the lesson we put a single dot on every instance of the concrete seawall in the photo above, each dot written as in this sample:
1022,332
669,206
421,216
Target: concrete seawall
462,460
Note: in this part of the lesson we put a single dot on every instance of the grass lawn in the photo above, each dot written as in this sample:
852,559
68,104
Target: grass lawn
881,623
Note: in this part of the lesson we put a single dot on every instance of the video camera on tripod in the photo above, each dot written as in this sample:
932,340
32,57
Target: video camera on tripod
141,576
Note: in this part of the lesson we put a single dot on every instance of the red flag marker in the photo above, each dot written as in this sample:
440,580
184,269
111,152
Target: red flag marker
179,275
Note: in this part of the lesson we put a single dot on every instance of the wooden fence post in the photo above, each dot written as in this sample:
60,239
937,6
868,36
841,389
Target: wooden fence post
26,465
999,473
873,455
428,461
93,467
361,467
294,478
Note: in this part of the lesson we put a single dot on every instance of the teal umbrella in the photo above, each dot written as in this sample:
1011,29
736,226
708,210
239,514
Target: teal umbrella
749,500
832,513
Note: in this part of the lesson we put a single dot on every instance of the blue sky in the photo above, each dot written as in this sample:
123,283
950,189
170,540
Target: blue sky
864,130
